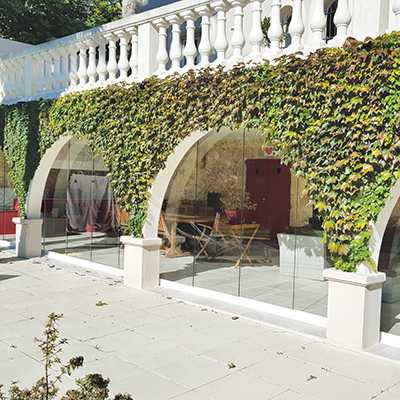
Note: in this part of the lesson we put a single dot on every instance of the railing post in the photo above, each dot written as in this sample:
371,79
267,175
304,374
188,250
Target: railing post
275,30
256,33
237,39
342,21
190,50
102,64
162,53
205,43
112,65
318,24
175,53
147,55
123,63
92,68
133,60
221,43
82,70
296,27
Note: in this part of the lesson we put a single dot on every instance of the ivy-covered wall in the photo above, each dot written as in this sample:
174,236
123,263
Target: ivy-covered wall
334,117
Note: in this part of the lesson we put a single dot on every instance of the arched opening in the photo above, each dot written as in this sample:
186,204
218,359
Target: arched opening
8,203
79,212
389,262
237,221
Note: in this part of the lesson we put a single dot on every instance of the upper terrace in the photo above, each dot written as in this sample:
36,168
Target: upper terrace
188,34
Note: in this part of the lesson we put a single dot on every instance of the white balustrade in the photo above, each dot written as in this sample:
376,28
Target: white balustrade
151,42
190,50
205,42
296,27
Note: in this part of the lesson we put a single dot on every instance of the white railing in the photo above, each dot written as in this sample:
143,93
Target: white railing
173,38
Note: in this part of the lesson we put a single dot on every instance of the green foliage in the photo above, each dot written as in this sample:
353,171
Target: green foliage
36,21
92,386
333,117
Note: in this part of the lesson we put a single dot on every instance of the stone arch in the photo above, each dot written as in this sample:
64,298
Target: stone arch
379,227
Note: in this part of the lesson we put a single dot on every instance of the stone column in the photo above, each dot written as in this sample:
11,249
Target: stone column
141,262
354,307
28,237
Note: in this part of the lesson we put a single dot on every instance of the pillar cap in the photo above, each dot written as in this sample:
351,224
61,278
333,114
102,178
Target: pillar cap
152,243
354,278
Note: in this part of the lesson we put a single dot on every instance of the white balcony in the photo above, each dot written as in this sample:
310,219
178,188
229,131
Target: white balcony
188,34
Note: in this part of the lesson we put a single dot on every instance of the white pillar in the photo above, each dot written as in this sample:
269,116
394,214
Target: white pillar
147,61
190,50
296,27
162,54
82,70
221,43
28,237
73,67
112,66
92,67
275,30
396,10
237,40
141,262
175,53
205,43
123,63
133,60
256,34
102,63
354,307
318,24
342,21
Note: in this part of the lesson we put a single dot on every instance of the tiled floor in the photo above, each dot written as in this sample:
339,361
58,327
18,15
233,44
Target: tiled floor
158,348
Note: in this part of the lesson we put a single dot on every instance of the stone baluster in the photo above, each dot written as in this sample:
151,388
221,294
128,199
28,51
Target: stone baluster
112,65
175,53
162,53
46,83
41,72
73,67
133,60
296,27
18,77
57,77
221,43
237,40
275,30
190,50
82,70
102,63
123,63
205,42
92,67
256,34
342,21
318,24
396,10
64,63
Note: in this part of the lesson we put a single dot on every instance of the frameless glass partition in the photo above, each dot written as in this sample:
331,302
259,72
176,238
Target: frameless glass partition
80,215
8,203
389,262
241,224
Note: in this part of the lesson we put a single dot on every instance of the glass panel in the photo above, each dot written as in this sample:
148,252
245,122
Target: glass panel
177,226
267,269
9,203
219,193
389,262
53,205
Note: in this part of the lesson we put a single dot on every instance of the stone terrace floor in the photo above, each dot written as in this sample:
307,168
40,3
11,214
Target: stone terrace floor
158,348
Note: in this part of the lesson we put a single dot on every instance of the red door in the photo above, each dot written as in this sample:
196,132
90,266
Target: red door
268,183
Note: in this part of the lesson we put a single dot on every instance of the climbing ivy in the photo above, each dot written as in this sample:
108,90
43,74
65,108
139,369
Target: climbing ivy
333,117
